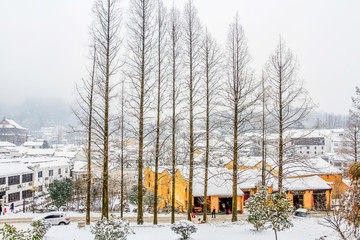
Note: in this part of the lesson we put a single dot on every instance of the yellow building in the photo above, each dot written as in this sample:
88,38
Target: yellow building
219,189
310,183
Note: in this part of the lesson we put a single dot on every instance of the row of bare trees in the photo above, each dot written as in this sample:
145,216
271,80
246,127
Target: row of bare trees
172,71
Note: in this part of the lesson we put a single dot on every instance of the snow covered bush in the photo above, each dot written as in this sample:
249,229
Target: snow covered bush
116,229
260,209
184,228
9,232
41,227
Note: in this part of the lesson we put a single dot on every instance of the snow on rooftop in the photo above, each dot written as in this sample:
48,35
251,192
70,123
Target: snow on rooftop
41,151
65,154
13,168
8,123
312,166
219,183
7,144
30,144
304,183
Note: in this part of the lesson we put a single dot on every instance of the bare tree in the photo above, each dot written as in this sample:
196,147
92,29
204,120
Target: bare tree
106,33
174,38
351,143
122,159
161,43
85,117
289,102
140,68
211,68
192,34
240,97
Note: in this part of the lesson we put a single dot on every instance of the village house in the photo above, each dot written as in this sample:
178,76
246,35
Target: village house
219,188
12,132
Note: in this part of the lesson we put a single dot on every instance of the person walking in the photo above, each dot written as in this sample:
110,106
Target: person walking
213,213
0,209
193,212
12,207
4,210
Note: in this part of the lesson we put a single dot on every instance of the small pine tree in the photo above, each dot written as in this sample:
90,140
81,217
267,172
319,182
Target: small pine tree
61,191
281,211
260,209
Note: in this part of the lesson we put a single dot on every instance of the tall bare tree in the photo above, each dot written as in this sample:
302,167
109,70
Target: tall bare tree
85,117
175,51
263,130
161,43
240,96
210,68
140,67
288,100
106,33
192,39
122,158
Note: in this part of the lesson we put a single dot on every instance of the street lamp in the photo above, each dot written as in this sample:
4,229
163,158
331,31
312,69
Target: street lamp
33,189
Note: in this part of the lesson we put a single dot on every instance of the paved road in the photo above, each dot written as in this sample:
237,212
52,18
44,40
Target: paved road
149,219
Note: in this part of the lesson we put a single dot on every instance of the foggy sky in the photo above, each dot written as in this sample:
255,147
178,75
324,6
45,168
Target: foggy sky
43,44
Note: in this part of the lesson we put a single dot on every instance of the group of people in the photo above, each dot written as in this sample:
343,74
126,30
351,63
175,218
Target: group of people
213,213
3,210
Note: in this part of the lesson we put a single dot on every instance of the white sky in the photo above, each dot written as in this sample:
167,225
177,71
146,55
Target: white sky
43,44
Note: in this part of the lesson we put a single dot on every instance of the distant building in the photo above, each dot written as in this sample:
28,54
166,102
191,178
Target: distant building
12,132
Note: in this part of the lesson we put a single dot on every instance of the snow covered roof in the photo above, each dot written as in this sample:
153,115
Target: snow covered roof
31,144
312,166
304,183
41,151
79,166
8,123
7,144
13,168
69,155
219,183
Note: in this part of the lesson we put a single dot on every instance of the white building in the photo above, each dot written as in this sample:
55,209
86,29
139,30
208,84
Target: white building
16,179
18,175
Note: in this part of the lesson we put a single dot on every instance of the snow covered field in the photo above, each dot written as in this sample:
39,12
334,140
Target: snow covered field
303,229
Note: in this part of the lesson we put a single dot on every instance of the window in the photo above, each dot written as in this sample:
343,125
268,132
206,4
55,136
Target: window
40,174
315,147
336,144
149,184
307,147
51,172
66,170
41,188
27,177
322,148
2,181
307,152
13,197
14,180
315,152
300,147
300,151
59,171
26,194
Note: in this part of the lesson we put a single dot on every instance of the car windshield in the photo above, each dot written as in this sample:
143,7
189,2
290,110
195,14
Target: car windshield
300,214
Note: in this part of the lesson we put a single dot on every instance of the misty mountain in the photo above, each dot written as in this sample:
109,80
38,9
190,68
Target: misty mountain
34,114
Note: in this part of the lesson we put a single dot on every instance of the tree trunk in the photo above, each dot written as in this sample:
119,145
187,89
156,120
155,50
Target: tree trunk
88,186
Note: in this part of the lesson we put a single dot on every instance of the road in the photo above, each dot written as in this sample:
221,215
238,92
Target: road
148,219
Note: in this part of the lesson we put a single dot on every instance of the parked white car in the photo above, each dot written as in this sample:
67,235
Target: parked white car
301,212
54,218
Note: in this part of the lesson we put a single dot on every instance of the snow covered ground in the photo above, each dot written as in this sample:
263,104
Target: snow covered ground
303,229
